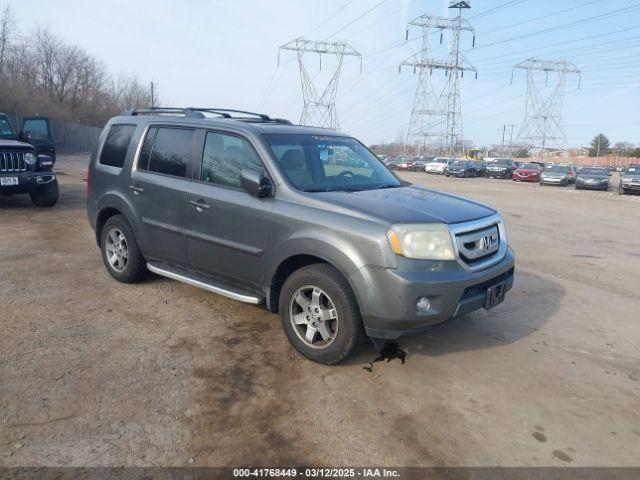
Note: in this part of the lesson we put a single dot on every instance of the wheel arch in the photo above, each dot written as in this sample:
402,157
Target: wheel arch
112,205
282,267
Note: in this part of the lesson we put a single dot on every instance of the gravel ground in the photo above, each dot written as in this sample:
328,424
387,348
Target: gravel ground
93,372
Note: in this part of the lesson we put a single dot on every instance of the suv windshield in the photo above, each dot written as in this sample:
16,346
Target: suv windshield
633,170
459,163
557,169
502,162
314,163
6,130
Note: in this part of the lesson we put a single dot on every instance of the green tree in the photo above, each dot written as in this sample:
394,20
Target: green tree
600,145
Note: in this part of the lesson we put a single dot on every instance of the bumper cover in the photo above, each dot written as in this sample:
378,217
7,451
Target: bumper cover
27,181
390,296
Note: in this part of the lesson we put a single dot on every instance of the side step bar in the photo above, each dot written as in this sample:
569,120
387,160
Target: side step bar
205,286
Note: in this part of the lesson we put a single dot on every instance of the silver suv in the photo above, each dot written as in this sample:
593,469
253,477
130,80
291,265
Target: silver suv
304,220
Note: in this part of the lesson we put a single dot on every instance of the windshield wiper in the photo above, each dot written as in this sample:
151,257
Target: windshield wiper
388,186
329,189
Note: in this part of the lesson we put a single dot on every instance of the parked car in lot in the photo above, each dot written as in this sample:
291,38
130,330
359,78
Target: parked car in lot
460,168
26,160
528,172
557,175
480,167
438,165
402,164
500,168
593,178
419,164
246,206
630,180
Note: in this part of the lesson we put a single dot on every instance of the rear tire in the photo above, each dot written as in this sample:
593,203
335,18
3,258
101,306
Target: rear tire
309,297
120,251
46,195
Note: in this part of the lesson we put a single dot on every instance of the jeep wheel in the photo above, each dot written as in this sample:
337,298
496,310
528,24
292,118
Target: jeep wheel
320,315
120,251
46,195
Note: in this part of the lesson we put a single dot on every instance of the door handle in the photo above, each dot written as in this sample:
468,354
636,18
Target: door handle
136,190
199,205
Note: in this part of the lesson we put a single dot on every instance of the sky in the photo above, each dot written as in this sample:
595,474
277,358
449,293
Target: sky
224,53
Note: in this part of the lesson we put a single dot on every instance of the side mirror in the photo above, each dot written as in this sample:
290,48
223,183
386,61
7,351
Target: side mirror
255,183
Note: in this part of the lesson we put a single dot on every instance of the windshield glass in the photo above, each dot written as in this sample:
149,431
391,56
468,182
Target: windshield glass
329,163
633,170
530,166
440,160
459,163
6,131
502,162
557,169
594,171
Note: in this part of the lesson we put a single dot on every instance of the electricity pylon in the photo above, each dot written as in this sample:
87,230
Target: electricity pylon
542,125
319,108
436,117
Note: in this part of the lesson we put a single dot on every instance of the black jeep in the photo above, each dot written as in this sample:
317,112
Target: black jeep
27,159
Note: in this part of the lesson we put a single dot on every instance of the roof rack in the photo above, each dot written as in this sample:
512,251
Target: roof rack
193,112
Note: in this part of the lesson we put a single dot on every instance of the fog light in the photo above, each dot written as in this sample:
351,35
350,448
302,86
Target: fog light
423,305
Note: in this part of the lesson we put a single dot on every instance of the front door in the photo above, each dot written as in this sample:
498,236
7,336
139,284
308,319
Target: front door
226,226
158,187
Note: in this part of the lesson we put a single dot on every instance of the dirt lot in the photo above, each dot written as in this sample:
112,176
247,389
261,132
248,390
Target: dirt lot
93,372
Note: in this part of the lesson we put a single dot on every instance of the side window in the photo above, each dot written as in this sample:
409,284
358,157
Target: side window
223,158
167,151
115,146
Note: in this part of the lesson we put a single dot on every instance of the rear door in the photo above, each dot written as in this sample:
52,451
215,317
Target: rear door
227,228
158,185
38,131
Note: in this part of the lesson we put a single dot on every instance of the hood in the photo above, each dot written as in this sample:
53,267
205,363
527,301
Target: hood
527,170
555,174
410,204
15,145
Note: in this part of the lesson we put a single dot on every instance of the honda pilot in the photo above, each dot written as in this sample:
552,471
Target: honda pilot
305,221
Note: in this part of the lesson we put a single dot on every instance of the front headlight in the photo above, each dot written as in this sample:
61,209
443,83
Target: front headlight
30,159
425,241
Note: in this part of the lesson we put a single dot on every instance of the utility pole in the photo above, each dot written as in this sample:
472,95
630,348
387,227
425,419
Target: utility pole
320,108
153,94
542,125
436,117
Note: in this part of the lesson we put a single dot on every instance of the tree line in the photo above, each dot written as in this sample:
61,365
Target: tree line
601,146
41,73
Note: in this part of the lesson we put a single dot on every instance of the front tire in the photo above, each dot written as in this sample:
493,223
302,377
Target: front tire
120,251
320,314
46,195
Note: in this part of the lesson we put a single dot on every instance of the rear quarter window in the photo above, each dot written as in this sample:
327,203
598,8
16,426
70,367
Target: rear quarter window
114,150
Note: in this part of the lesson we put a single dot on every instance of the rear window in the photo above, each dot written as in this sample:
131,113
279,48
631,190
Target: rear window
114,150
168,151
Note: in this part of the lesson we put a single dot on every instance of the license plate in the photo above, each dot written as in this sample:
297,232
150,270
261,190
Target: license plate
8,181
495,295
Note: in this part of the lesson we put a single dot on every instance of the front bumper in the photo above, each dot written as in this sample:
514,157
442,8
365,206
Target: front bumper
27,181
498,173
526,178
457,173
592,185
554,181
388,296
635,186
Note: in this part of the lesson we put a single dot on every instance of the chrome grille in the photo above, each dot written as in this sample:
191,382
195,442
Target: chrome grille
480,243
12,162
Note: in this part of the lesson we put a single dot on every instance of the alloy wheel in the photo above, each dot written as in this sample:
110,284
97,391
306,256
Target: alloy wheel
313,316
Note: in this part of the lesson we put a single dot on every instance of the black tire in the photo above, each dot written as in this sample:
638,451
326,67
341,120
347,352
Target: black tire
349,330
134,268
46,195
